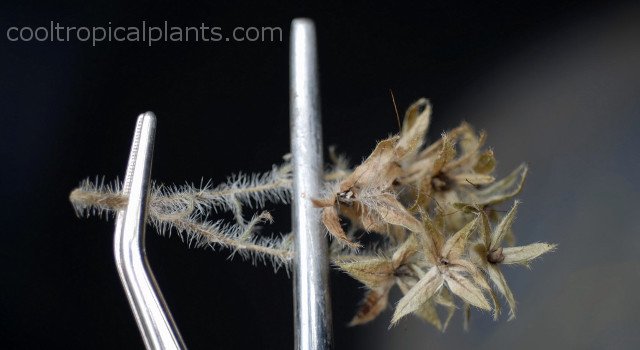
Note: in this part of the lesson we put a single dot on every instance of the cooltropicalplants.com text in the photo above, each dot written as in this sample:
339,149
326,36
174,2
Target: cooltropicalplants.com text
145,33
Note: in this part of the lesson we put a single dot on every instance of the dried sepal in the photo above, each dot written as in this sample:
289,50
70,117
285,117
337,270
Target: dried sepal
473,271
391,211
470,145
407,249
374,302
504,226
366,218
446,154
430,240
501,190
429,313
455,245
478,277
445,299
378,171
323,202
480,280
373,272
485,227
486,163
525,254
414,128
499,281
426,287
466,290
466,319
331,221
422,194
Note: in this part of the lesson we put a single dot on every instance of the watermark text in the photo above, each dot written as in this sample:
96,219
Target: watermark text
144,33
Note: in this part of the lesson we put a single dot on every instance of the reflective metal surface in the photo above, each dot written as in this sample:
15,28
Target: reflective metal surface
152,315
312,304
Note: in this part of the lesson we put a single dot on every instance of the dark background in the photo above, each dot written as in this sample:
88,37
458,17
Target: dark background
555,83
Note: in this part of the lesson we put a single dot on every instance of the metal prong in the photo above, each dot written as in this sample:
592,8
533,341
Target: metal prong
152,315
312,303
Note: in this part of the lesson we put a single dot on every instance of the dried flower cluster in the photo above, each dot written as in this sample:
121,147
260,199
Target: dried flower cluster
432,207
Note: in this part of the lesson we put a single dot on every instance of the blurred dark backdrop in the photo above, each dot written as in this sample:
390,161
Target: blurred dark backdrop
555,83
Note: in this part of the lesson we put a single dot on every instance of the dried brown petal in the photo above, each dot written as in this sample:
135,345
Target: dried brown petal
429,313
372,272
431,241
393,212
467,317
466,290
524,255
486,163
485,229
445,299
414,128
423,194
364,218
371,221
454,246
472,270
323,202
377,171
503,227
446,154
498,280
408,248
331,221
499,191
374,302
418,295
480,280
470,145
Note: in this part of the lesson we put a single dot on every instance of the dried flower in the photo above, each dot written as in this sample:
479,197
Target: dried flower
490,253
379,274
367,196
446,267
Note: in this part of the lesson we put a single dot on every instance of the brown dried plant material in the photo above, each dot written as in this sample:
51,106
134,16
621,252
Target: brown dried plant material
375,175
446,171
429,313
375,301
490,253
372,272
455,169
414,128
500,191
331,220
446,267
379,274
419,294
366,196
486,163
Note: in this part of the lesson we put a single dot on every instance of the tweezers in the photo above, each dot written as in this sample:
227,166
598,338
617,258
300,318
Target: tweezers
158,329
